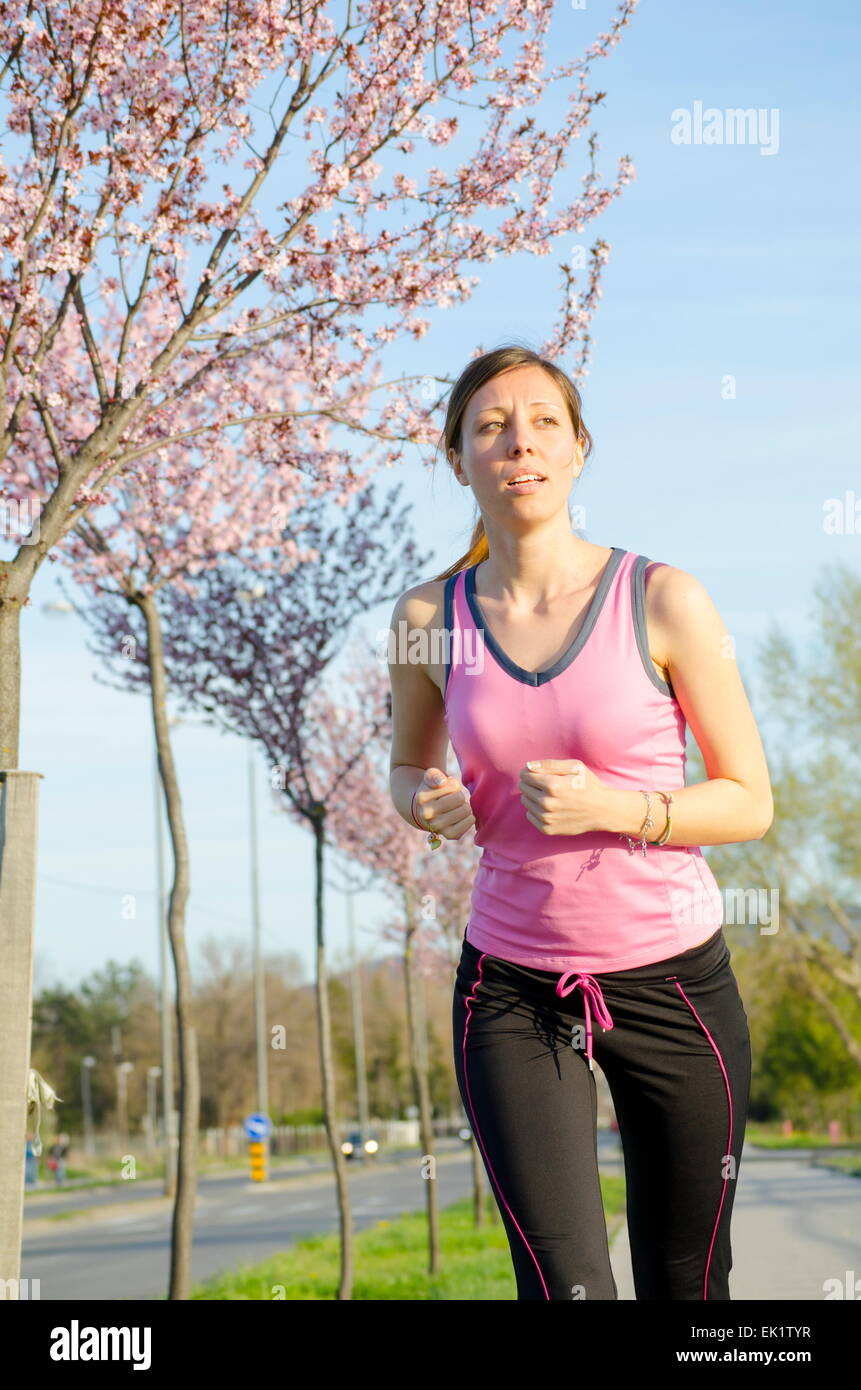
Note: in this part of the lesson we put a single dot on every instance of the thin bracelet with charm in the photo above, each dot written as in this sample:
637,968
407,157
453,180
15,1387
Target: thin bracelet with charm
433,840
647,825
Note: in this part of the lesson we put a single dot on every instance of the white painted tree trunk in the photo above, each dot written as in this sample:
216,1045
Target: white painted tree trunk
19,800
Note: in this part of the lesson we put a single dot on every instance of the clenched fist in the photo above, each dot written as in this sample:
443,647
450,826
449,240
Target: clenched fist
442,805
562,796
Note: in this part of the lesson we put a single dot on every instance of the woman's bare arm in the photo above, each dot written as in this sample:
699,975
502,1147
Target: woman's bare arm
735,804
419,733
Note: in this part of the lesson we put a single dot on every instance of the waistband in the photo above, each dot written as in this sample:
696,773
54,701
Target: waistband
701,957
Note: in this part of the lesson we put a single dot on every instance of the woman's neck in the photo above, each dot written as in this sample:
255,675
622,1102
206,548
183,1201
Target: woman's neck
530,569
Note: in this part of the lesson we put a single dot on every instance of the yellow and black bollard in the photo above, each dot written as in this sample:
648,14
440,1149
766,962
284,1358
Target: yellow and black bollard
257,1154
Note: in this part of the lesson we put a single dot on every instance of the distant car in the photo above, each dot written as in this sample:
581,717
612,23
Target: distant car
353,1147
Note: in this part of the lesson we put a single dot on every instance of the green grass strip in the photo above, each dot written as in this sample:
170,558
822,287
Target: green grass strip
390,1260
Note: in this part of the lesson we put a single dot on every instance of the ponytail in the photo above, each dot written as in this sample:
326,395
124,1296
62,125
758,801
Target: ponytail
478,551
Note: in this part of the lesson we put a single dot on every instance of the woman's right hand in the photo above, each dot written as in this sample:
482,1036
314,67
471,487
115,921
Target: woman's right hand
442,803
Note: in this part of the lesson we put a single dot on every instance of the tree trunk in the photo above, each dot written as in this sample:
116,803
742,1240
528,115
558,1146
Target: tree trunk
327,1072
10,673
19,799
189,1071
418,1057
17,574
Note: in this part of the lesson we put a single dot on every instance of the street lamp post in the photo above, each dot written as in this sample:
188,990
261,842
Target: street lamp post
122,1104
153,1073
259,980
87,1063
358,1025
252,595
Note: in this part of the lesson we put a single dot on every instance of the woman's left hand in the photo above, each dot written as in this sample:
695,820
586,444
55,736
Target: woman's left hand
562,796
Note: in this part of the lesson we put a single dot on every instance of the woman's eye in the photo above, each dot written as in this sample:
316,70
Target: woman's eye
486,426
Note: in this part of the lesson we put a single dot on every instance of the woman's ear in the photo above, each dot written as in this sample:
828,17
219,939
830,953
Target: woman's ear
454,459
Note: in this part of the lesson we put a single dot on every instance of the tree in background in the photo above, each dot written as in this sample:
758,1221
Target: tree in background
368,831
70,1024
124,554
130,298
795,895
140,316
254,666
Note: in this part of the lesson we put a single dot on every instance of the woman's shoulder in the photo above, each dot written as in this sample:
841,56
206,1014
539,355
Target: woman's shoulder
667,586
677,603
422,604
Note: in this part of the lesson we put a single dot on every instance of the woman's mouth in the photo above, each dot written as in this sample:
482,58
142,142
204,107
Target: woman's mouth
525,482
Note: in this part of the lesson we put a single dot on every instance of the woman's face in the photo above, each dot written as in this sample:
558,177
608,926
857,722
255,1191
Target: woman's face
516,423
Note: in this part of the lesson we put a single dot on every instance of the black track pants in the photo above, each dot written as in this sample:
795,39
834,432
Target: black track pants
677,1062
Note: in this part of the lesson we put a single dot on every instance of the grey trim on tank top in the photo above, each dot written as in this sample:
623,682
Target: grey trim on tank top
448,624
638,597
594,608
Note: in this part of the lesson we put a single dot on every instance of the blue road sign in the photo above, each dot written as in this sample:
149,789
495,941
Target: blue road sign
258,1126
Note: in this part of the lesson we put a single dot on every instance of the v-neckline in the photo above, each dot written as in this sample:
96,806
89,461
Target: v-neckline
564,661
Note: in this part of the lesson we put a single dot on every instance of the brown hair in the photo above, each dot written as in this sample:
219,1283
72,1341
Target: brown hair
474,375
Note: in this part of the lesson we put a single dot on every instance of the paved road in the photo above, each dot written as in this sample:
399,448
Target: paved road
51,1201
236,1222
794,1227
126,1256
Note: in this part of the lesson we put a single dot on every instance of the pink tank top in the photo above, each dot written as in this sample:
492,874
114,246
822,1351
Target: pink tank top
573,902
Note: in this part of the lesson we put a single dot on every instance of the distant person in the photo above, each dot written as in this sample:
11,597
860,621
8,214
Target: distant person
57,1158
31,1163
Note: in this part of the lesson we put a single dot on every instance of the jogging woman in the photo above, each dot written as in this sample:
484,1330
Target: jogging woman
596,926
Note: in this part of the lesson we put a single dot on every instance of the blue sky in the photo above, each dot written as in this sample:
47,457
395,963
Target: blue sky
724,261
